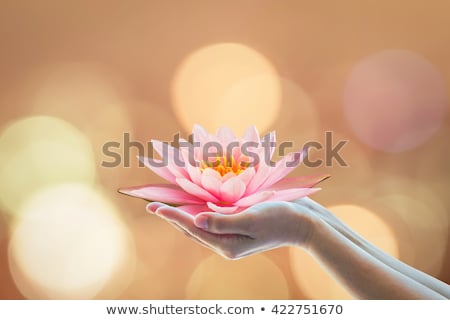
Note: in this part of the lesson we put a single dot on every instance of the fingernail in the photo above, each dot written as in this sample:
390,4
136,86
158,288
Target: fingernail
201,221
153,206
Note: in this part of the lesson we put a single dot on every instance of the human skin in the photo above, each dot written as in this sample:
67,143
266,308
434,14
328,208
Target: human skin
363,269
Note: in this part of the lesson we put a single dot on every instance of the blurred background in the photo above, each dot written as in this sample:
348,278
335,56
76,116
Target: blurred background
78,74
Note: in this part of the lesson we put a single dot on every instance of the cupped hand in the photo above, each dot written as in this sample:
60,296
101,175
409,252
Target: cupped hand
259,228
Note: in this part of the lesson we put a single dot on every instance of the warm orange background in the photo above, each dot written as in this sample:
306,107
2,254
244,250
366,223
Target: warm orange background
153,68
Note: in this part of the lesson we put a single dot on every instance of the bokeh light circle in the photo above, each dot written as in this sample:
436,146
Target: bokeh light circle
73,91
395,100
226,84
298,120
255,277
39,151
423,218
428,228
313,280
67,243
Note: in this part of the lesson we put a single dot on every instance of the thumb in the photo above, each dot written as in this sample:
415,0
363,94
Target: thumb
239,223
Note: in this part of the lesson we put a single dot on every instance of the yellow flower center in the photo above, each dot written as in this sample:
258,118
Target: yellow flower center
224,164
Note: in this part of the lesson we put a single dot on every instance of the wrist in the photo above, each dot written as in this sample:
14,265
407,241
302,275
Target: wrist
303,226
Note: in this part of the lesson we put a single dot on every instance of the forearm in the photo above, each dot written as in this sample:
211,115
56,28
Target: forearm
419,276
362,274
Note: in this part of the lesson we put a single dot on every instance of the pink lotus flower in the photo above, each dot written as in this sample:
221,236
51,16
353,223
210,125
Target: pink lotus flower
227,182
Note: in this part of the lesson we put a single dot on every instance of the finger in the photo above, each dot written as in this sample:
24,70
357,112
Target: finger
240,223
172,214
188,233
186,221
153,206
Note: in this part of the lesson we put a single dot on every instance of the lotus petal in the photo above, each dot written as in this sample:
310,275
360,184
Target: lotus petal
163,193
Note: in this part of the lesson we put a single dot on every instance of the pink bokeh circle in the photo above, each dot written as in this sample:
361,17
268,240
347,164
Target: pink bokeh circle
395,100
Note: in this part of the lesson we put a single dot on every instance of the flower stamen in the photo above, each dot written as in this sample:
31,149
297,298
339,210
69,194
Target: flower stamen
224,165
